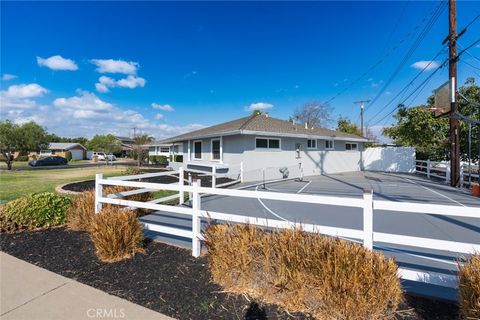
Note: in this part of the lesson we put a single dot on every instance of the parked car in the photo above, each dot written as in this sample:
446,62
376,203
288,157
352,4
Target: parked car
101,156
48,161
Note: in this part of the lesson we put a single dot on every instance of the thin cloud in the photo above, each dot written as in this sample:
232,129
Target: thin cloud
163,107
115,66
57,63
7,77
425,64
158,116
259,106
131,82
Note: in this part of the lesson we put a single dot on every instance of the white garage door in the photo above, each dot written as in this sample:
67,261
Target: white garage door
77,154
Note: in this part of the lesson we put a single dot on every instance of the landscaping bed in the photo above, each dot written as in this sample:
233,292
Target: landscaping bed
166,279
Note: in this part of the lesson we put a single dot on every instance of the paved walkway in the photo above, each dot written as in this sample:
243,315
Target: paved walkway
30,292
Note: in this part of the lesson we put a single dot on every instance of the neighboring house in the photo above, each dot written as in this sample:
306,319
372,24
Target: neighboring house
59,148
265,145
126,145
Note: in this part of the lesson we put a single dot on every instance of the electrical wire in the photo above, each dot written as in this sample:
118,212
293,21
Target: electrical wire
379,62
437,12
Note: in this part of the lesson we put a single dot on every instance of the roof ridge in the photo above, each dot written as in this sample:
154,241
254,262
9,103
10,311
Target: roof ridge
250,118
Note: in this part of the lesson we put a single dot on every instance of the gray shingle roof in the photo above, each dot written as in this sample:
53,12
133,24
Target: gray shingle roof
64,145
260,124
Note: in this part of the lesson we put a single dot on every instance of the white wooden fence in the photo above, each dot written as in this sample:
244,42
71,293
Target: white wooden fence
441,170
368,206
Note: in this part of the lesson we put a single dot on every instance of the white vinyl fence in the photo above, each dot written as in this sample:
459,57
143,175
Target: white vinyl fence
368,206
441,170
389,159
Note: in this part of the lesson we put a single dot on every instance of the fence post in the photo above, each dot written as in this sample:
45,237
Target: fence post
196,221
368,219
447,173
98,192
241,171
214,176
428,168
301,172
461,175
190,194
181,176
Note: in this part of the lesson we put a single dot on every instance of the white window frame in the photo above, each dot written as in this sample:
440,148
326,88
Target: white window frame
333,144
268,143
162,151
312,148
201,150
351,144
219,149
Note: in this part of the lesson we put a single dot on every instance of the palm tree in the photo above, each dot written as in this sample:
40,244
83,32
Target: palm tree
140,150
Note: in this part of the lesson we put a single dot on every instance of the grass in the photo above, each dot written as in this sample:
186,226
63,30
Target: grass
14,184
14,164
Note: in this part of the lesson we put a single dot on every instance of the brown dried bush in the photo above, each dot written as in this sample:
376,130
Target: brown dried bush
469,287
117,234
82,210
326,277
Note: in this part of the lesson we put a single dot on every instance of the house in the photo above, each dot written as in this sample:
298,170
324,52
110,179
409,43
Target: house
267,147
126,145
60,148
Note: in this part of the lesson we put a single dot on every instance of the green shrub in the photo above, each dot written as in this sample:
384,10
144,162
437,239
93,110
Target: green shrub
325,277
67,155
162,160
178,158
469,287
21,158
117,234
40,210
131,171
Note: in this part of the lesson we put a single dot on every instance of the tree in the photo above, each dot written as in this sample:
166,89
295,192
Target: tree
15,138
314,114
105,143
139,149
344,125
256,112
417,127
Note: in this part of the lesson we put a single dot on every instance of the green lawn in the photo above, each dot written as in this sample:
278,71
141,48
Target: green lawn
14,164
14,184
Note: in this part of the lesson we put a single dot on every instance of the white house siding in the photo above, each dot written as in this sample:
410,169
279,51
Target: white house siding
240,148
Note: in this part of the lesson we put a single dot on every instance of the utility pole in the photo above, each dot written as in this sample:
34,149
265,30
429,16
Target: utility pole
362,105
452,73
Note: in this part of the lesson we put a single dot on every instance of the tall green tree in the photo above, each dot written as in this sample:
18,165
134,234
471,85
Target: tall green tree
418,127
345,125
105,143
20,138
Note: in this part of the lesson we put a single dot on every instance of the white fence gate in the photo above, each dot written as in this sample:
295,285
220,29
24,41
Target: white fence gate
366,236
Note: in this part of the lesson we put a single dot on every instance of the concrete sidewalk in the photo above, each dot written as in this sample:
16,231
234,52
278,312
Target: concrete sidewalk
30,292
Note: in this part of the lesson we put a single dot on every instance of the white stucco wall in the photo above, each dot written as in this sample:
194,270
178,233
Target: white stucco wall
240,148
390,159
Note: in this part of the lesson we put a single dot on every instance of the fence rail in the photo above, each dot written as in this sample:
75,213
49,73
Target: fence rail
441,170
366,235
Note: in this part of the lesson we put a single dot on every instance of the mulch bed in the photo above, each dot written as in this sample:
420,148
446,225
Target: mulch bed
166,279
206,181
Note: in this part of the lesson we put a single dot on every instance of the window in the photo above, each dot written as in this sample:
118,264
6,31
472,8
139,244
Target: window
164,149
216,149
329,145
311,144
264,143
261,143
197,149
351,146
151,149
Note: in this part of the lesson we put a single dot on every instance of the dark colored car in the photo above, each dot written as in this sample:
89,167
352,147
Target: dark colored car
48,161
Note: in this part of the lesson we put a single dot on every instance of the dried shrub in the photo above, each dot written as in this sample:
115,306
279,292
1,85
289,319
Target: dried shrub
117,234
326,277
38,210
469,287
82,210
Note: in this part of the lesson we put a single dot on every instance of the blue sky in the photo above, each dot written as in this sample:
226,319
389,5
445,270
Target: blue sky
81,68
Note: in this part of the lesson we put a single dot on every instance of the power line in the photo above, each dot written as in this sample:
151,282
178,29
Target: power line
405,88
437,12
423,84
379,62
